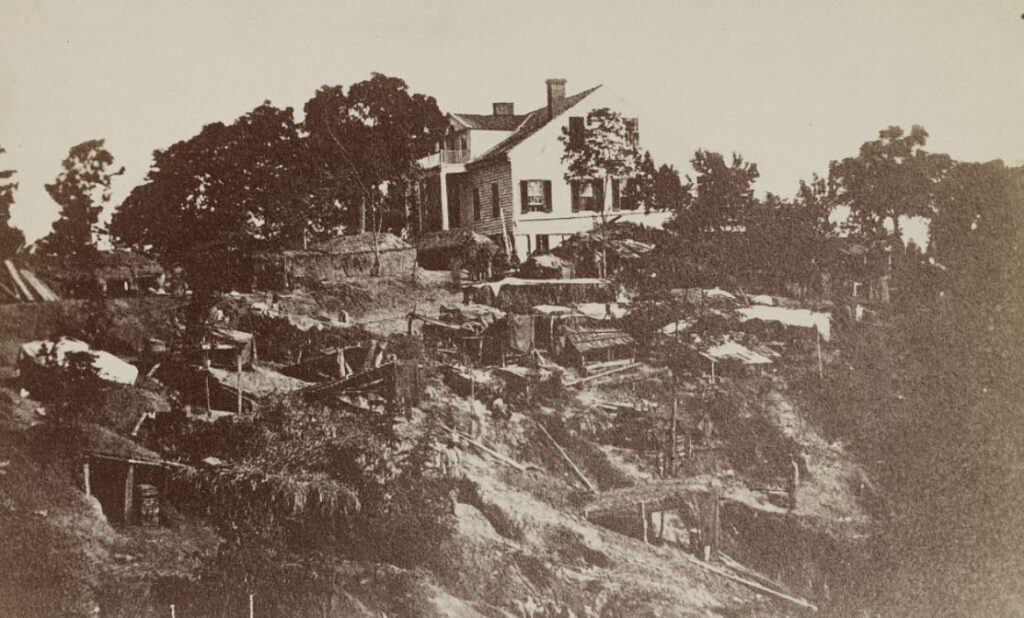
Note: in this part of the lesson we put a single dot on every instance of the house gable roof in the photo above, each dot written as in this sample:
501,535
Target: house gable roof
534,121
489,122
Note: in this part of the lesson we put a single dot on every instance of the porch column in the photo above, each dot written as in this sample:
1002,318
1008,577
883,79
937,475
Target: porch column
443,181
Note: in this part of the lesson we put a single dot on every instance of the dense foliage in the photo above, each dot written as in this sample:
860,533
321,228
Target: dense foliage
81,190
11,238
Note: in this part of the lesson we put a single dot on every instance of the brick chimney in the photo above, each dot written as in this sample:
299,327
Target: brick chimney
504,109
556,94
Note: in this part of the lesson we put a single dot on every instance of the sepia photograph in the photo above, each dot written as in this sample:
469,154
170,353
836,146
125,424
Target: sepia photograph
533,309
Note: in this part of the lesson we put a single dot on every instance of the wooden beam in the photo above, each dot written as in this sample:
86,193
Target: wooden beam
643,518
85,478
603,374
752,584
565,456
493,453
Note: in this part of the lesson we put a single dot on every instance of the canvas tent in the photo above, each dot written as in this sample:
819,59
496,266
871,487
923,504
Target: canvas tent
32,358
521,295
789,318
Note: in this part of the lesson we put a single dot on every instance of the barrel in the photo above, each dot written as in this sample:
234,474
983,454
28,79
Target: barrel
149,506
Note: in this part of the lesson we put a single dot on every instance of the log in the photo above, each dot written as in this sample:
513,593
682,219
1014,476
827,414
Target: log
752,584
604,373
561,451
493,453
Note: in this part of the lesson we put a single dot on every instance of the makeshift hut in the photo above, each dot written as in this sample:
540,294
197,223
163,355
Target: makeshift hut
334,261
464,248
125,478
732,357
36,358
521,295
605,250
120,273
228,348
592,348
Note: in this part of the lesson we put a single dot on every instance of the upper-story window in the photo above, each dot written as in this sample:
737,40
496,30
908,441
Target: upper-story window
535,195
587,195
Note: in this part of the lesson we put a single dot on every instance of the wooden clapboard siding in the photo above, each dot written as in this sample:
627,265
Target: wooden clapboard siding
481,179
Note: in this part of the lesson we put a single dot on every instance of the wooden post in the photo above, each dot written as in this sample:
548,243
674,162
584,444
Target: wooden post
672,437
239,384
252,606
716,523
712,373
85,478
129,487
643,518
208,408
661,527
821,367
172,611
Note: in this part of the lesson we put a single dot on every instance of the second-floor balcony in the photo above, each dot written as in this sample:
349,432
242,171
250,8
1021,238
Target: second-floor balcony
445,157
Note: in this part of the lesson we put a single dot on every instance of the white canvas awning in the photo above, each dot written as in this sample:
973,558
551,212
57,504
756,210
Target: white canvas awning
108,366
799,318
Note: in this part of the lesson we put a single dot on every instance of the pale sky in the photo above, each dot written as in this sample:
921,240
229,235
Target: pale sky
789,84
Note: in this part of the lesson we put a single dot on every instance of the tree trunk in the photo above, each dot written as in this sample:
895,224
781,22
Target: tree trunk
362,215
896,227
377,220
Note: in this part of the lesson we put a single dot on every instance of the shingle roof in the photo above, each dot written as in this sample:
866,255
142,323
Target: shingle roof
598,338
535,121
490,122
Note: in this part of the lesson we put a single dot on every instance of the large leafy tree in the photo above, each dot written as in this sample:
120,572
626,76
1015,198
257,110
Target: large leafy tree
890,178
603,151
208,199
723,195
11,238
82,189
369,140
670,193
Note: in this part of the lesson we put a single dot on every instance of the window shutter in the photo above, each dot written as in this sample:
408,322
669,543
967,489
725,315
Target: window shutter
576,131
598,195
523,198
547,196
495,203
